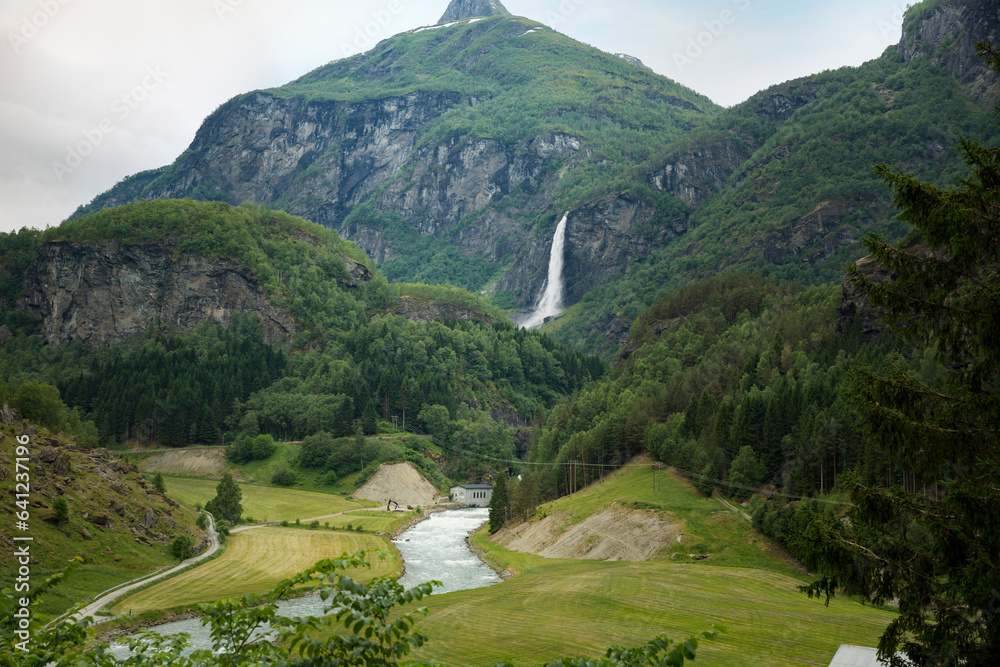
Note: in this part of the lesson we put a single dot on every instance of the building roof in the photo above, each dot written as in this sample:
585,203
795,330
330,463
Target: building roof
858,656
474,486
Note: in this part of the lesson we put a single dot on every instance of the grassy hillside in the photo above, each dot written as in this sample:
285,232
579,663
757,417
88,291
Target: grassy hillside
521,72
708,527
569,607
108,502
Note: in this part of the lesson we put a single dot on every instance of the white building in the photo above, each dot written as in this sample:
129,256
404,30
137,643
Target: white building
477,495
860,656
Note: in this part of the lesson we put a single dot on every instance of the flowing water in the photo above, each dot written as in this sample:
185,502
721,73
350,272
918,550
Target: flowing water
550,303
434,549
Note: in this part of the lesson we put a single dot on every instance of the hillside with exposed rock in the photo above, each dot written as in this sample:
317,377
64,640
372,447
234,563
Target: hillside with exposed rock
117,523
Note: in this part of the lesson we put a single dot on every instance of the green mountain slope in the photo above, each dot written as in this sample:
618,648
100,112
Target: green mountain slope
798,205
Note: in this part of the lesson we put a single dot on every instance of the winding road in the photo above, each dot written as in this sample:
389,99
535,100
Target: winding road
105,599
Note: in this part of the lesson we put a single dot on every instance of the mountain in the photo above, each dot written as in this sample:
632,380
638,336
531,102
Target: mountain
449,154
459,10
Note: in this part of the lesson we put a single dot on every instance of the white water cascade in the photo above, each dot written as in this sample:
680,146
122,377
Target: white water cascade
550,303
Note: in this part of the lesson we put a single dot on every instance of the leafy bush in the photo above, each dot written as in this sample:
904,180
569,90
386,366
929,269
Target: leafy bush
283,477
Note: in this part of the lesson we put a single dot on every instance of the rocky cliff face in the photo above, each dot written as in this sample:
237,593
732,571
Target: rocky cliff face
106,293
315,159
947,34
696,175
812,238
602,240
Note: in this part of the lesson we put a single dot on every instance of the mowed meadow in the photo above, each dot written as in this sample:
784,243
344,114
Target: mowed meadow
561,608
254,561
264,503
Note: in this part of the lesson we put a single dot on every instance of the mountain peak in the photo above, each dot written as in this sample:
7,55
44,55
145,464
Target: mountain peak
460,10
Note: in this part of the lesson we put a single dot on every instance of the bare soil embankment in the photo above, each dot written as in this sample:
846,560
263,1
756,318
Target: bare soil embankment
191,462
401,482
615,533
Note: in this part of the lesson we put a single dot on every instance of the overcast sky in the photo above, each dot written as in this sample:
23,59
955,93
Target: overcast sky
131,80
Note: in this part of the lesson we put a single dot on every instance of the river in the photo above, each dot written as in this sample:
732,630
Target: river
434,549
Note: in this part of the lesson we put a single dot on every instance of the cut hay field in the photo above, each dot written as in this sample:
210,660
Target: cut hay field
571,607
254,561
371,521
268,503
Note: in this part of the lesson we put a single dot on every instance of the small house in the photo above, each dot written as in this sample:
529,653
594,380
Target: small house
477,495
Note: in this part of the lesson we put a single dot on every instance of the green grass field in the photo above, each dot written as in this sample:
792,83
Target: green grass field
255,560
371,521
269,503
560,608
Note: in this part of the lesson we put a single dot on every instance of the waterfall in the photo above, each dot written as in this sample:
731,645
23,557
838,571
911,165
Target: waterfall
550,303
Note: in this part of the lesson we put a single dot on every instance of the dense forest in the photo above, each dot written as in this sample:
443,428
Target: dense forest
352,364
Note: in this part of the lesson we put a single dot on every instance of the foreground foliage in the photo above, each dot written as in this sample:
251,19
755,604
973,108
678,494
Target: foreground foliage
935,551
248,631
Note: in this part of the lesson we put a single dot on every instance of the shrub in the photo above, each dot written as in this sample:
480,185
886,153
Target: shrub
283,477
61,509
181,546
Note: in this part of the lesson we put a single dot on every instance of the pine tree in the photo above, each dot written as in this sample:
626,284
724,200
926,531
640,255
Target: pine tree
936,553
499,504
369,421
227,503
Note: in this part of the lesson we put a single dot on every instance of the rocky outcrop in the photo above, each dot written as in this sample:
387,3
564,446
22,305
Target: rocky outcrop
460,10
632,60
947,34
778,103
812,238
424,310
695,175
105,293
855,309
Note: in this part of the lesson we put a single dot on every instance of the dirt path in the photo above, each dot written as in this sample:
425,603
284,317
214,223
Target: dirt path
731,507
